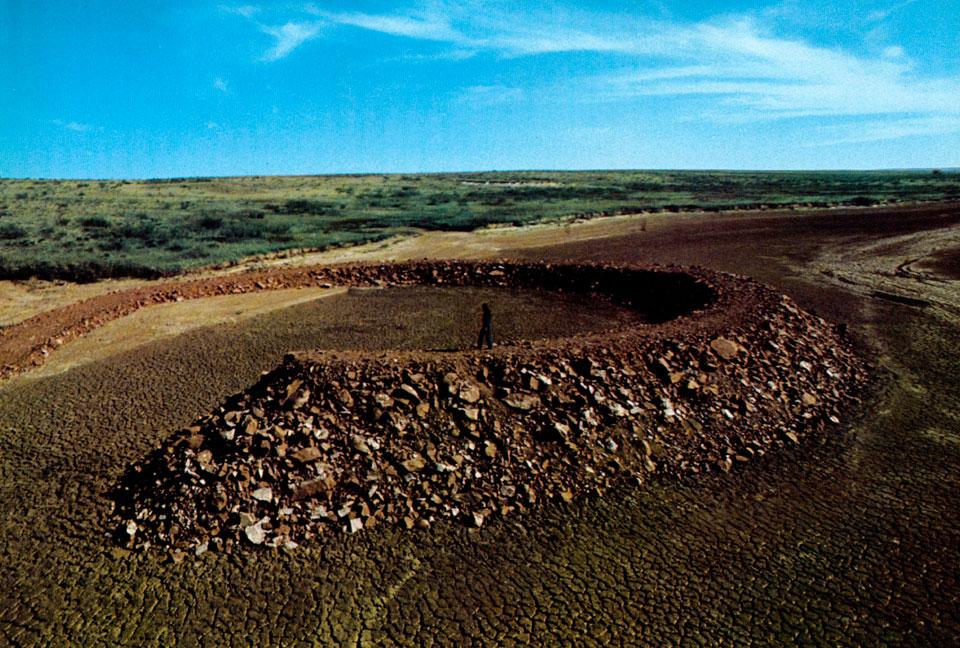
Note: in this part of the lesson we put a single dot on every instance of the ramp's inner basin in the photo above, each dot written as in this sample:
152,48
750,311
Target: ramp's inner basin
396,318
437,318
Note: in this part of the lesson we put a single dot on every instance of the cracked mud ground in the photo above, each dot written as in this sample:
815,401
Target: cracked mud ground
855,541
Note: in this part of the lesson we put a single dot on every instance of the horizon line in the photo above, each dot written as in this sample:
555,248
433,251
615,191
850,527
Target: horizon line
342,174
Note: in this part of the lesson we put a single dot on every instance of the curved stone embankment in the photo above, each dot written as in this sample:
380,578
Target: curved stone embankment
27,344
726,370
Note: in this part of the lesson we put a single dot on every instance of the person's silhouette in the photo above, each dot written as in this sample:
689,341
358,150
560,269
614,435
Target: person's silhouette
486,329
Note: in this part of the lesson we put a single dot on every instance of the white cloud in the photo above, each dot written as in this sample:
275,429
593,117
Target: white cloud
221,85
532,42
880,15
484,29
747,70
76,127
881,130
894,52
247,11
553,31
289,37
738,66
448,55
420,27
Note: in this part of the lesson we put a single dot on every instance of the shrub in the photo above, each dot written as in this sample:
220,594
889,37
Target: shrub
11,232
141,231
94,222
113,245
209,222
278,233
147,232
247,213
194,253
301,206
234,231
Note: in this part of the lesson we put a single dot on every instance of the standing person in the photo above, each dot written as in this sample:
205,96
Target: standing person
486,329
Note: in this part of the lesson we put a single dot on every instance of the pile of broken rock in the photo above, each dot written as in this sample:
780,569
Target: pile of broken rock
343,441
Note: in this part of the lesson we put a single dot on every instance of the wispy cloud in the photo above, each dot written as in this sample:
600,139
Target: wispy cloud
880,15
894,52
221,85
289,37
739,66
505,33
421,26
446,55
463,26
76,127
526,43
881,130
247,11
748,70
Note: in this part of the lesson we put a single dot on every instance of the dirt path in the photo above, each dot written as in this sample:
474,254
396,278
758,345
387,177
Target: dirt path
20,300
902,269
171,320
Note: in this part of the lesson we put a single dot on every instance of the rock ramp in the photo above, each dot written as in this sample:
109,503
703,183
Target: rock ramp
727,370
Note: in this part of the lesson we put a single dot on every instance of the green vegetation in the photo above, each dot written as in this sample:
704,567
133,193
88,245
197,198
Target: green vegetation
85,230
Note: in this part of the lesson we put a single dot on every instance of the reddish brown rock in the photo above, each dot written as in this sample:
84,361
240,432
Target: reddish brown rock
341,441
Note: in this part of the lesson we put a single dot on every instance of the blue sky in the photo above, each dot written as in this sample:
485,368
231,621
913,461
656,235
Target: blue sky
158,89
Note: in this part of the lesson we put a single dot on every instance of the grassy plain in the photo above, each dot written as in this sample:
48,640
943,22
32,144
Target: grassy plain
86,230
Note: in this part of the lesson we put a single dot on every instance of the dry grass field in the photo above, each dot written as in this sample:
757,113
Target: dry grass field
86,230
